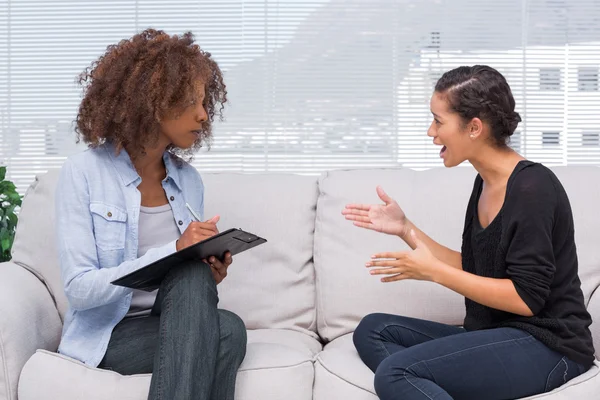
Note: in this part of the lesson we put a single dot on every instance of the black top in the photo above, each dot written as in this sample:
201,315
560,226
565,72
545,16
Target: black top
531,241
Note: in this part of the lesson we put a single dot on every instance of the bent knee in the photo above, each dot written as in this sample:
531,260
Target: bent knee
363,333
233,331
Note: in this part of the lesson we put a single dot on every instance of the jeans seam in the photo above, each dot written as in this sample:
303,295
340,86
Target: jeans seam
415,386
551,372
457,352
380,343
471,348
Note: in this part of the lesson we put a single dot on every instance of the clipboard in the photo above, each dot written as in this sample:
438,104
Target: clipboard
149,278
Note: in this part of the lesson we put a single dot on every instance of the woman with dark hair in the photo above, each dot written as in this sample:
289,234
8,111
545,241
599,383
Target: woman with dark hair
526,329
130,200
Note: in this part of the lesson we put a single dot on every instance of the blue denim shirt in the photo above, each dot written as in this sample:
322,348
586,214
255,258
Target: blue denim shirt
97,213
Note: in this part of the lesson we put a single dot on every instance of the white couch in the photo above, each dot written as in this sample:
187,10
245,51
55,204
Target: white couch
301,295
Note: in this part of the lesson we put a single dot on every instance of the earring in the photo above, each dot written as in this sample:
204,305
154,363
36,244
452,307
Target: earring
471,136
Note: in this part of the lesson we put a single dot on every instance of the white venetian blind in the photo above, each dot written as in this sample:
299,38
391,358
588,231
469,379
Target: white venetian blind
315,84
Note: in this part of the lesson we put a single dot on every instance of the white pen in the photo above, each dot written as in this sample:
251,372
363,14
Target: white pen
196,217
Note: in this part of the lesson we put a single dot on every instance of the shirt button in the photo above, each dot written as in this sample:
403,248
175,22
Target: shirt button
180,222
109,214
172,198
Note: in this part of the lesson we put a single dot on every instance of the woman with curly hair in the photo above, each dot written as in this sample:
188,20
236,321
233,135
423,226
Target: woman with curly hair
148,102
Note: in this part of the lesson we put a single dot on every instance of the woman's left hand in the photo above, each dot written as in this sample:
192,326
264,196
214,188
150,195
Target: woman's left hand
419,264
218,267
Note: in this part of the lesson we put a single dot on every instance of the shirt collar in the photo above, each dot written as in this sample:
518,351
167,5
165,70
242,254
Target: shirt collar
127,171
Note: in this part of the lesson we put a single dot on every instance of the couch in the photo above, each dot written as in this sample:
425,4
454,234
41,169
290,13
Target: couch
300,295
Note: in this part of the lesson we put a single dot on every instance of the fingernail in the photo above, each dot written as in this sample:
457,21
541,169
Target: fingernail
367,264
372,272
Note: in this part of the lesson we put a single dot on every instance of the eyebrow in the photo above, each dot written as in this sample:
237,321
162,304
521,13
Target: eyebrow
434,114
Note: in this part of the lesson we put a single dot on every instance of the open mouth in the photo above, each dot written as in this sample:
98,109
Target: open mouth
197,132
442,151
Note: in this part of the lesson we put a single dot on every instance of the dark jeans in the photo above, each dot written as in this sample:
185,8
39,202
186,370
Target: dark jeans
416,359
192,349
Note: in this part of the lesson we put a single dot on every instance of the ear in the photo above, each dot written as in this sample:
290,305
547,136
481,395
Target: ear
475,128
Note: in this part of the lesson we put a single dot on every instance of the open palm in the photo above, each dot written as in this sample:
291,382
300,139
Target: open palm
386,218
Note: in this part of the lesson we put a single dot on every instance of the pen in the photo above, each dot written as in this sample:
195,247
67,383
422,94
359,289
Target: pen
196,217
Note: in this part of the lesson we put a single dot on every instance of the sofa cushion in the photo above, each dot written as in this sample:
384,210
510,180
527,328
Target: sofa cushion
29,321
276,360
339,369
435,200
273,285
584,199
35,240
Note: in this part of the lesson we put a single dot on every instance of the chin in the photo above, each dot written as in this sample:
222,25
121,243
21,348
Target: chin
449,163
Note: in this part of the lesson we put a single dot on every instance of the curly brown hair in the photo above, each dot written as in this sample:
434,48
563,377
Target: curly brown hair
140,81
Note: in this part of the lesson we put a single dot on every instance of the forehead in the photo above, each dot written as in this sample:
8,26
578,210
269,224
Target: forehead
438,104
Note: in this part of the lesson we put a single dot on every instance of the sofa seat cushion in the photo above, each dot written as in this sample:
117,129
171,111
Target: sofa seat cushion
276,360
339,369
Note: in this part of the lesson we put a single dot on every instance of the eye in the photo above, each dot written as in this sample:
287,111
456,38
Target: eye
436,121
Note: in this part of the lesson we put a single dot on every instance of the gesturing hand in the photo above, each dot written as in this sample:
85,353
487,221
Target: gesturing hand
386,218
419,264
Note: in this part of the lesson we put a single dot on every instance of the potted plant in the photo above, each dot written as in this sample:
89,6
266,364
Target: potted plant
9,201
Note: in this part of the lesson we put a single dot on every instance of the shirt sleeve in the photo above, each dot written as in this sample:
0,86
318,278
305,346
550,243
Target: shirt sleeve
529,211
87,285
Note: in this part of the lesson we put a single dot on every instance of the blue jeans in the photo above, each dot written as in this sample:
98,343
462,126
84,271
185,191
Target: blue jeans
417,359
192,349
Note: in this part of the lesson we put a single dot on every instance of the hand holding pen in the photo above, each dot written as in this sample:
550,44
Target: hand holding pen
197,231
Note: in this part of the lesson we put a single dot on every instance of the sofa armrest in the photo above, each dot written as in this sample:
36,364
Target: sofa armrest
594,310
28,321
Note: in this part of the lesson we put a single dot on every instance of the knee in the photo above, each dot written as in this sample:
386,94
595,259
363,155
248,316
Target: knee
363,334
233,334
193,275
390,376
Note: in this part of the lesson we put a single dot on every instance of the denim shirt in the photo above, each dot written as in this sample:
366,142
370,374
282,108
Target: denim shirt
97,215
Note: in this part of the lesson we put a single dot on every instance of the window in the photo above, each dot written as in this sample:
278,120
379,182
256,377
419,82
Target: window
587,79
549,78
590,139
311,91
550,138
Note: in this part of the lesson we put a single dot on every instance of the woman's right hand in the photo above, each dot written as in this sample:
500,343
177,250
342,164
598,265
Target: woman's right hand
197,232
386,218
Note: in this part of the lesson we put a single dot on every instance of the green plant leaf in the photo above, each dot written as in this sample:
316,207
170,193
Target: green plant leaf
7,187
2,173
14,198
12,222
5,243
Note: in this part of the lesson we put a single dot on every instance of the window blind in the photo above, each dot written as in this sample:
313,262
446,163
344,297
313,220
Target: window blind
316,84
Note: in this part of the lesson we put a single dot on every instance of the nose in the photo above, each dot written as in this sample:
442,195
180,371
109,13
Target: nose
201,114
431,130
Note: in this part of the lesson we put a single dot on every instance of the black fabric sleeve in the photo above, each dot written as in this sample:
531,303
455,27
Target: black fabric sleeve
528,224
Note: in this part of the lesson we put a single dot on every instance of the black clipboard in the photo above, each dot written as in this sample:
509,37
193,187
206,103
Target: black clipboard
148,278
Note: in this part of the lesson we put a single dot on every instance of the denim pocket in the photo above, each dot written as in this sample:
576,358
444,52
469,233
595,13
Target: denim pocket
558,375
109,226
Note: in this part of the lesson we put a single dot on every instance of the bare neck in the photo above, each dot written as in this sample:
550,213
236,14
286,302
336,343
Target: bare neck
495,165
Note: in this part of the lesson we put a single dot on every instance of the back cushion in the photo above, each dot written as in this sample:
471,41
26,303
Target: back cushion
273,285
581,185
435,200
35,240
